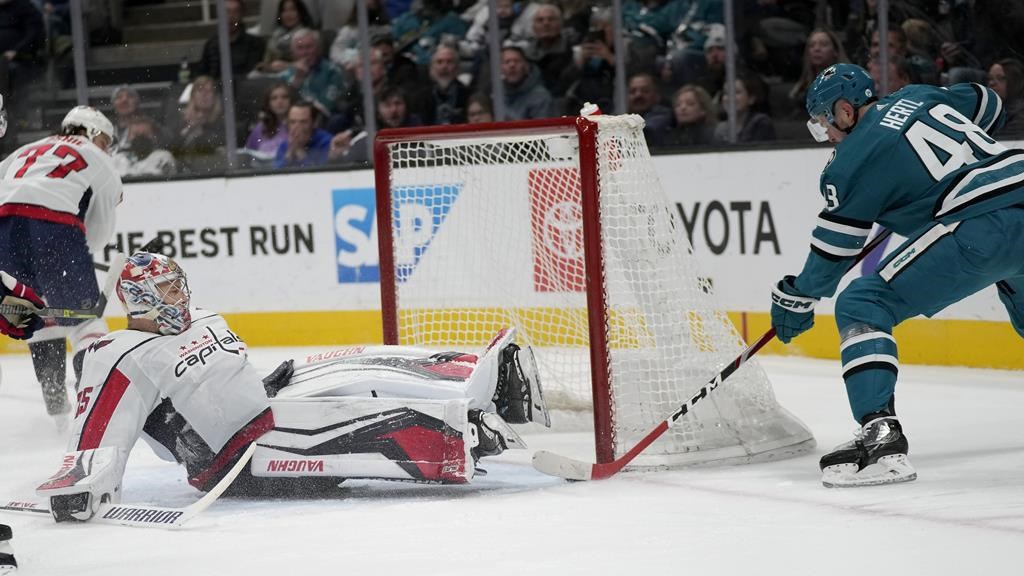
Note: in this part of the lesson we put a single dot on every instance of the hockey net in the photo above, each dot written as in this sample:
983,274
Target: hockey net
561,228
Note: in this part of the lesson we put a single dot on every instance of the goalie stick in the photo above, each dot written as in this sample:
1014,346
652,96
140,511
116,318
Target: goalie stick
141,515
572,469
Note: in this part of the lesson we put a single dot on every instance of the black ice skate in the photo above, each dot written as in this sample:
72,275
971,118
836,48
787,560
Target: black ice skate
7,562
876,455
519,398
494,435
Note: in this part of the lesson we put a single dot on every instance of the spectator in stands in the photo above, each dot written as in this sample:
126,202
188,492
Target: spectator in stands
514,24
897,42
424,27
774,33
448,96
549,49
694,118
753,124
922,51
645,100
353,102
140,154
57,14
575,19
710,75
345,49
525,95
393,110
591,78
1006,78
21,36
899,74
399,70
292,15
197,134
125,101
649,23
480,109
823,49
246,50
306,145
271,129
316,78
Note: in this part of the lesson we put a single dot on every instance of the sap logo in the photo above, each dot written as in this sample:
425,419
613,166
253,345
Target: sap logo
355,234
295,466
418,214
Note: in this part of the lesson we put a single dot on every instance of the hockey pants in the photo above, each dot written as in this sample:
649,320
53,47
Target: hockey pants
934,268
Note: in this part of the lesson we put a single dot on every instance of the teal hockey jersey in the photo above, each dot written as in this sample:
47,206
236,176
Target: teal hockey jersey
918,156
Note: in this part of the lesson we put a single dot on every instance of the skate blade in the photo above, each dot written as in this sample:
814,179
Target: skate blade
538,408
892,469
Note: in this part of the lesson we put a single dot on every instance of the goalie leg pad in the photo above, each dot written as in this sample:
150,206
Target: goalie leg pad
355,437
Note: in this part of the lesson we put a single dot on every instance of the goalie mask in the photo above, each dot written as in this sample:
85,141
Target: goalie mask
154,287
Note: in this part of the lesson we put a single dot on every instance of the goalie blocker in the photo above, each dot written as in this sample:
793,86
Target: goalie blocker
179,377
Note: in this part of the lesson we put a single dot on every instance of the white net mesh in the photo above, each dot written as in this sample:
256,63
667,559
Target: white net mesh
488,233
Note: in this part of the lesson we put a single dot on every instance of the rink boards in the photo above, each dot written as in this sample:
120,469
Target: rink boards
292,260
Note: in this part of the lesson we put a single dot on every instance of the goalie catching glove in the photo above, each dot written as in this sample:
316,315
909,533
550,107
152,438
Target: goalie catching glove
792,312
20,325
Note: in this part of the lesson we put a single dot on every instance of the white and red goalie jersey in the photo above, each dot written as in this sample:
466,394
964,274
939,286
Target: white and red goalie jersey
63,178
204,373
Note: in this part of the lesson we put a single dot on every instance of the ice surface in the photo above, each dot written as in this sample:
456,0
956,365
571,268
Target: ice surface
965,514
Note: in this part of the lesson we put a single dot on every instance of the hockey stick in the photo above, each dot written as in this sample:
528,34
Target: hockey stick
141,515
572,469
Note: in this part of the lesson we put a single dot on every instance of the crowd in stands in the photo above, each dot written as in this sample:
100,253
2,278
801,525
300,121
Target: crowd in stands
300,102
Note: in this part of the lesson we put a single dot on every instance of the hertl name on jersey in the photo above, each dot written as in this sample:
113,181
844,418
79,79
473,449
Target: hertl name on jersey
898,113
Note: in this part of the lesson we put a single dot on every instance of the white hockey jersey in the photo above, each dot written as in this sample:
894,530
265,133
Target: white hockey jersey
65,174
204,372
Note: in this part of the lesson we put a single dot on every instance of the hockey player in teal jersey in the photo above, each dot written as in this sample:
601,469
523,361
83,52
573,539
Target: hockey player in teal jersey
921,163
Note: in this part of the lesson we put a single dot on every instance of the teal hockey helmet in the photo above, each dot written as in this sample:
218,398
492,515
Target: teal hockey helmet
839,81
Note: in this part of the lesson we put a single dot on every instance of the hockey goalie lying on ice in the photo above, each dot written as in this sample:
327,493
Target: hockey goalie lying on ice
180,378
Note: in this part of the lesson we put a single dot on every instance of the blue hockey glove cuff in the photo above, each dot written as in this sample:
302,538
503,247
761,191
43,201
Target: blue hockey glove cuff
792,312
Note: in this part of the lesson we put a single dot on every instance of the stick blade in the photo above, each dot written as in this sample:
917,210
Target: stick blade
561,466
